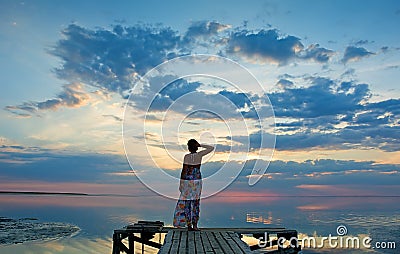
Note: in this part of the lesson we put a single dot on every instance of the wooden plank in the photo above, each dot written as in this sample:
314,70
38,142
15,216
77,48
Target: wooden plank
222,242
183,243
245,230
191,243
175,242
167,242
198,243
234,246
214,244
242,245
206,243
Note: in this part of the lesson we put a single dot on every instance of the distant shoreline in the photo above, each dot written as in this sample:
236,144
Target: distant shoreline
221,196
41,193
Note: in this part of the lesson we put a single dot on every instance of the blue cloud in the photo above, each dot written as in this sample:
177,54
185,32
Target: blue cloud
54,166
316,53
265,45
35,163
112,60
331,114
109,59
353,53
71,96
320,99
286,175
284,83
270,46
204,30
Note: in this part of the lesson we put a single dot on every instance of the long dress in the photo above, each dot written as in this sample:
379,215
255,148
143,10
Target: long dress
187,209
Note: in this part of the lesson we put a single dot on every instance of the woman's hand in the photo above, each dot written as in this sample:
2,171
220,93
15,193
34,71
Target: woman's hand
208,149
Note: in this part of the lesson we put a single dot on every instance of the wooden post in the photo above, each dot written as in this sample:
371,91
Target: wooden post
131,244
116,243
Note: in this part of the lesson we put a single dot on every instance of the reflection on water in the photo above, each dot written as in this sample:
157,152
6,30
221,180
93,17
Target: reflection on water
65,246
14,231
97,217
255,217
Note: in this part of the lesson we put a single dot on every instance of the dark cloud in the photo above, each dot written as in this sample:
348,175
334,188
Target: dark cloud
362,42
270,46
72,96
348,73
179,88
160,93
111,59
204,29
331,114
316,53
114,59
35,163
284,83
264,46
353,53
116,118
286,175
320,99
241,100
184,96
51,166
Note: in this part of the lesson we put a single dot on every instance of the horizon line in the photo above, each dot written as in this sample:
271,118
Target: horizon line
150,195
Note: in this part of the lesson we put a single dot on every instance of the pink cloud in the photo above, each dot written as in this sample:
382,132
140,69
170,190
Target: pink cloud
75,187
348,190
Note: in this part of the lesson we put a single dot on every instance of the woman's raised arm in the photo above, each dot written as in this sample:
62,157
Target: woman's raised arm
208,149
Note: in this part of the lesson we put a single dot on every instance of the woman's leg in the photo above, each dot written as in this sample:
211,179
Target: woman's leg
195,212
188,212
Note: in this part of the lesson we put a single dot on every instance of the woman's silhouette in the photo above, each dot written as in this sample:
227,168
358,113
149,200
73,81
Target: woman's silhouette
188,207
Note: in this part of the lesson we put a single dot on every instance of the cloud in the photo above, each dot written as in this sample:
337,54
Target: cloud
268,46
72,96
264,46
284,177
284,83
319,99
111,59
316,53
363,42
353,53
35,163
116,118
183,97
204,29
53,167
331,114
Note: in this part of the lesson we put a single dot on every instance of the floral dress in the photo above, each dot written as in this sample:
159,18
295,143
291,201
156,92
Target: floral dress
188,206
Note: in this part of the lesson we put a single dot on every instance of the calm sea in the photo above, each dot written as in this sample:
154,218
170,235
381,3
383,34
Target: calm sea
84,224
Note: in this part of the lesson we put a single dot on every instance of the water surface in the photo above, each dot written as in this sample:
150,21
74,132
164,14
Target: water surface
84,224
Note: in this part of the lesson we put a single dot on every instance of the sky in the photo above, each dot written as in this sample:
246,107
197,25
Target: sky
327,70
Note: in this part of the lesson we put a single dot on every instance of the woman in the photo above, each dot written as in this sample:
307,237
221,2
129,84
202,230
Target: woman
188,206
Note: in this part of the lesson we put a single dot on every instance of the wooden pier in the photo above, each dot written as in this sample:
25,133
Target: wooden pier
206,241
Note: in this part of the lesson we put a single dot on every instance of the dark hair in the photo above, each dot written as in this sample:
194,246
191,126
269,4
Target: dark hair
193,145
